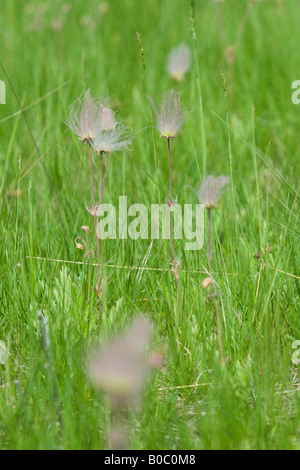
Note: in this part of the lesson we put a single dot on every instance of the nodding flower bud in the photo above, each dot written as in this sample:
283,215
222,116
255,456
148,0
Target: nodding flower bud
206,282
79,245
85,228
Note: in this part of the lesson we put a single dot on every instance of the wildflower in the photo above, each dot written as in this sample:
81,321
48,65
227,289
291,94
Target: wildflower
118,138
171,116
179,61
108,121
85,116
120,368
211,190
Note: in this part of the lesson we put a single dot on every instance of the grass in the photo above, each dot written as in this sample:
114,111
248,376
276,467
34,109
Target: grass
242,123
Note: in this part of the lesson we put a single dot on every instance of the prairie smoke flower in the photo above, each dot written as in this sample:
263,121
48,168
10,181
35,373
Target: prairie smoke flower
118,138
212,190
120,367
85,116
108,121
179,61
171,116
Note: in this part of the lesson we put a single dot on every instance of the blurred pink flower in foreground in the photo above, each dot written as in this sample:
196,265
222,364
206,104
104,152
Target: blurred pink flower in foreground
179,61
171,116
120,368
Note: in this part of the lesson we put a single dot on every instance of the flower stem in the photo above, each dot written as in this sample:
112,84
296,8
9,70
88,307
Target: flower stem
105,176
101,167
176,265
102,184
95,220
170,202
101,190
215,290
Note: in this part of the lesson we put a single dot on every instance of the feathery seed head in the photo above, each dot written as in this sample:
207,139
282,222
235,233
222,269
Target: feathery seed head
118,138
85,116
171,116
108,120
212,190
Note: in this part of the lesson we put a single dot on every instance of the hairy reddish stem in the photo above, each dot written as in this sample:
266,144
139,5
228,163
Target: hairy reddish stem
101,167
95,217
105,176
215,290
176,268
170,202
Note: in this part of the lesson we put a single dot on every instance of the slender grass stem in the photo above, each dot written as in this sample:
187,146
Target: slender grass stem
198,81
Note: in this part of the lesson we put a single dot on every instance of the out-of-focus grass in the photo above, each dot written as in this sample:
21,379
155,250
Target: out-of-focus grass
252,401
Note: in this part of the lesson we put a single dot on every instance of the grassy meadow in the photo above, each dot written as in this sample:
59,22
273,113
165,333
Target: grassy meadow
242,123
